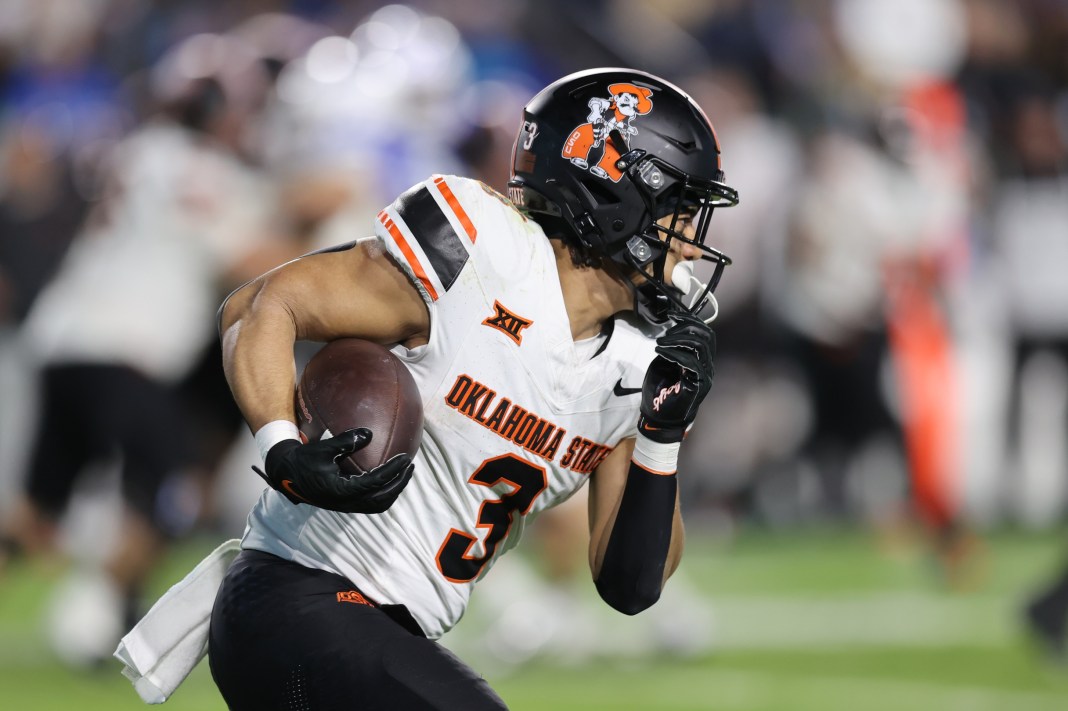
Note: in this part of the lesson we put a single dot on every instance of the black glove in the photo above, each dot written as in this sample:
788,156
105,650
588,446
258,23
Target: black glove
677,380
309,474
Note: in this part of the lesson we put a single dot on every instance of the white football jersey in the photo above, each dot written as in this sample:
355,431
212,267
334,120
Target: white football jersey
516,416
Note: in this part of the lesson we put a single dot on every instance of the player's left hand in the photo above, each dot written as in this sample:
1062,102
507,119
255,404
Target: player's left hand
309,474
677,380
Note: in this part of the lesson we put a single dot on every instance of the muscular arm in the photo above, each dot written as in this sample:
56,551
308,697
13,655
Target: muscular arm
631,575
357,292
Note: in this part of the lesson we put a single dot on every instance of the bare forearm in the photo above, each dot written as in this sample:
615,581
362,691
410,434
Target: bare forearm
678,543
258,334
356,291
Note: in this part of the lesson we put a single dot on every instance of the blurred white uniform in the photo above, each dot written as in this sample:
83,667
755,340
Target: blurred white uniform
516,414
129,313
1030,224
141,289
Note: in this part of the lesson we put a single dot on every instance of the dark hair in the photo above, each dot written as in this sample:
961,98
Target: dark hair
581,256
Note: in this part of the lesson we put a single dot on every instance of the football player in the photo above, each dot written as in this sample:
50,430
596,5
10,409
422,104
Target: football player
124,319
556,338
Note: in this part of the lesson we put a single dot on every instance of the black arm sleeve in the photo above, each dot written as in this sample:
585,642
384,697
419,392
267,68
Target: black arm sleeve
632,572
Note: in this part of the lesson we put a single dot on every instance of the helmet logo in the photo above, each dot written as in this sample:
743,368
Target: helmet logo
588,146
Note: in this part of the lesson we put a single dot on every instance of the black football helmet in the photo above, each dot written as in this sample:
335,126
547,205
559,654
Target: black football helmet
604,154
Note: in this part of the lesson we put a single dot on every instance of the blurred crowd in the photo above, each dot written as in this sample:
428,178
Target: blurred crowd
893,333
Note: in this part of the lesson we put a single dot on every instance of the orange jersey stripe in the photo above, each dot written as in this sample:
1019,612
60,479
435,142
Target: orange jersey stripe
413,261
457,208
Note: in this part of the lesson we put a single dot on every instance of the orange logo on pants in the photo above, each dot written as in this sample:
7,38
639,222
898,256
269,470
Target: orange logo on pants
353,596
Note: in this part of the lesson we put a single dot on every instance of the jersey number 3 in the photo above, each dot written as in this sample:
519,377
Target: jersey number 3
454,559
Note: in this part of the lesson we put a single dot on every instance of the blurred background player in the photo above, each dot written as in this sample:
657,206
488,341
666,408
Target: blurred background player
128,315
1030,228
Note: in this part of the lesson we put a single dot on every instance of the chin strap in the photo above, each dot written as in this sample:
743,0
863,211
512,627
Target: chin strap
650,301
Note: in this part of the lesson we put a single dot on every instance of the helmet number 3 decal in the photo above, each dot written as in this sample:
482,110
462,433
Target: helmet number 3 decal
530,132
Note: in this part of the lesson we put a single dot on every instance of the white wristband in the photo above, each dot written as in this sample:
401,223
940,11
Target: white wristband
657,457
274,432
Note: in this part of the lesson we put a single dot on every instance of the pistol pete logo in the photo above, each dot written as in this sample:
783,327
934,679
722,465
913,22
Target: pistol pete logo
588,146
664,393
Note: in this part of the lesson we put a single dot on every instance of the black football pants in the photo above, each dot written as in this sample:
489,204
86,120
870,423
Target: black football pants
92,412
289,638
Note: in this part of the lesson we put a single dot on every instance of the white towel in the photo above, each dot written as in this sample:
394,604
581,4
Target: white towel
172,638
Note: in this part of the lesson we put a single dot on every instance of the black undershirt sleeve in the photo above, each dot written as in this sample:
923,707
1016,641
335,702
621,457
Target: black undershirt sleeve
632,572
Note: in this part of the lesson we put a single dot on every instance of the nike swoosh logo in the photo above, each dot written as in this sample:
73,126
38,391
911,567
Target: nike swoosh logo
620,391
288,486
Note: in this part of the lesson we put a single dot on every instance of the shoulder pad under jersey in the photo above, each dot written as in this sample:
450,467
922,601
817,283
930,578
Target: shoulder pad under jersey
438,226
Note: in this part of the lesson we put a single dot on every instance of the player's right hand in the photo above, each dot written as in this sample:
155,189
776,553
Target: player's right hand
677,380
309,474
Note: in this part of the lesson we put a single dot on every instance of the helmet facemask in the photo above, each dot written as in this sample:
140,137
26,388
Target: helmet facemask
670,192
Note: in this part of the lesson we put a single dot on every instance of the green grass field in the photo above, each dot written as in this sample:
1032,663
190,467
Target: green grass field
821,621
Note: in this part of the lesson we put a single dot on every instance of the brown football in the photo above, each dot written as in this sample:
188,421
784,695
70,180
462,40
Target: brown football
351,383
